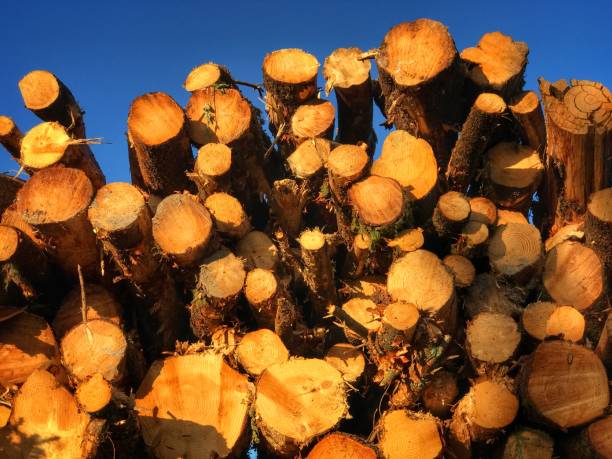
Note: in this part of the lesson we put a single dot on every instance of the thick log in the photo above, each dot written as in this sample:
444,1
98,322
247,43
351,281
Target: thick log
314,119
259,349
527,443
26,344
10,137
258,251
194,406
349,77
476,134
121,220
491,339
544,319
421,81
497,64
290,416
182,228
49,143
340,445
592,442
377,201
598,228
55,201
228,215
513,173
290,79
58,428
578,148
564,385
309,158
157,134
409,434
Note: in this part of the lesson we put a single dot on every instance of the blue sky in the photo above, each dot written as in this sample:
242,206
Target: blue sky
108,53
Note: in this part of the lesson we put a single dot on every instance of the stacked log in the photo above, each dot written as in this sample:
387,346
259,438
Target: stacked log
306,297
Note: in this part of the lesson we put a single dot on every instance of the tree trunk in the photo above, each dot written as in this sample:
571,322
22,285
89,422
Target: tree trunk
476,134
421,81
377,201
578,148
340,445
55,201
527,112
349,77
157,133
403,433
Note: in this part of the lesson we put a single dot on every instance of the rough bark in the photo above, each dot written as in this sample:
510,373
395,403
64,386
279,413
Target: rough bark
10,137
598,228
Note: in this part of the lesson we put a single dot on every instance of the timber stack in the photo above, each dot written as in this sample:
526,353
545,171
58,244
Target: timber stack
293,291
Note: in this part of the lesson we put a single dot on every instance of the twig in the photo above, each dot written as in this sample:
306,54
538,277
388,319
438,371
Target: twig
256,87
84,304
280,132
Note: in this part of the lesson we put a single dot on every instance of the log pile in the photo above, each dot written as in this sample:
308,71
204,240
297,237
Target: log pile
300,295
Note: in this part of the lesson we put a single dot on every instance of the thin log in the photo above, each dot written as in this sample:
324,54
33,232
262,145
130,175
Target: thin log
10,137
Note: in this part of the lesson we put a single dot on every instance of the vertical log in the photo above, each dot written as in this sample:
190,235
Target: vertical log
421,80
527,111
157,133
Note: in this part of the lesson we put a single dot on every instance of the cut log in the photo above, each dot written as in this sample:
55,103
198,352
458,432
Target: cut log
513,174
94,394
12,217
10,137
598,227
527,443
345,164
535,317
579,142
472,240
412,163
122,221
26,344
421,81
439,394
360,318
24,264
592,442
407,241
485,294
340,445
100,305
157,133
290,79
182,228
406,434
491,339
260,349
228,215
269,302
497,64
378,201
567,323
358,256
220,282
193,406
483,210
397,327
207,75
55,201
318,271
212,169
484,411
46,422
451,213
510,216
314,119
515,254
308,158
349,77
476,134
420,278
258,251
527,112
564,385
49,143
573,274
288,200
290,415
51,100
95,346
348,360
461,268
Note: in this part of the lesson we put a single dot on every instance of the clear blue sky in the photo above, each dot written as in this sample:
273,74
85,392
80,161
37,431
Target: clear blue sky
110,52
